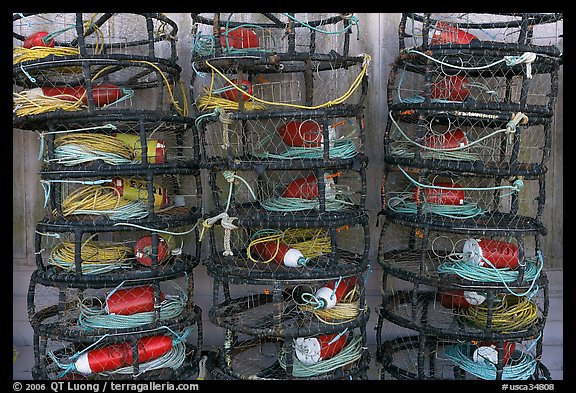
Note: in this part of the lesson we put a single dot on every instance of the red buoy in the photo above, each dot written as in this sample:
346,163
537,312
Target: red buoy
280,252
155,148
131,301
448,140
500,254
111,357
304,188
328,297
103,94
488,351
232,93
457,298
445,33
314,349
239,38
450,194
143,250
451,88
36,39
301,134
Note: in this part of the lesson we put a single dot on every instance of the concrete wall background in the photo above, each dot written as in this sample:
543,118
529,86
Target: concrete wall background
378,36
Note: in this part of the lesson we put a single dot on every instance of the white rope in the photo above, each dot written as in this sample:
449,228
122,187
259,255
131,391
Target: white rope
527,58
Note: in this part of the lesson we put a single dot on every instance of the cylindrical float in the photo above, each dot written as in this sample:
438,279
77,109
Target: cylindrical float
458,298
311,350
231,93
103,94
134,190
239,38
37,39
131,301
331,293
488,351
301,133
449,194
451,88
155,148
449,140
445,33
279,252
498,253
143,249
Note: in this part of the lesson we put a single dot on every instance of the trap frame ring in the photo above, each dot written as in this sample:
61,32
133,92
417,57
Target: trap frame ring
79,41
224,367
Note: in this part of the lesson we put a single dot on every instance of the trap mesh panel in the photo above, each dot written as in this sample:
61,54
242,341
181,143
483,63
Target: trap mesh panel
478,31
420,357
453,199
467,142
266,357
239,34
512,262
124,252
282,139
124,61
77,309
165,352
264,252
120,198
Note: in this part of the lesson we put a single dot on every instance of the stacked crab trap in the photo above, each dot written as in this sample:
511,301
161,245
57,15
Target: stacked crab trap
471,102
112,293
280,123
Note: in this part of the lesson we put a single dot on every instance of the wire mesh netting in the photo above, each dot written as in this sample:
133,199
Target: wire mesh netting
164,352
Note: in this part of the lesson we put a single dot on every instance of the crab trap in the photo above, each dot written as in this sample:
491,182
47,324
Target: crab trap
421,357
339,355
480,32
283,139
500,143
261,35
92,62
451,199
162,352
288,252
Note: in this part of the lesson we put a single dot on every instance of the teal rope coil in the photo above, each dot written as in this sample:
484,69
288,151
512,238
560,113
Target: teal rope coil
343,149
353,22
283,205
404,204
522,369
351,352
90,268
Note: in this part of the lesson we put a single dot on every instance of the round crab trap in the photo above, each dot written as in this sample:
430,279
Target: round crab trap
116,143
449,199
164,352
480,32
81,309
511,261
266,34
83,62
491,144
421,357
289,252
114,253
339,355
290,197
283,139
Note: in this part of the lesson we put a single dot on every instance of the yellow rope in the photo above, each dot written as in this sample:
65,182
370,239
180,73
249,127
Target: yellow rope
103,143
93,197
92,252
344,311
511,314
25,105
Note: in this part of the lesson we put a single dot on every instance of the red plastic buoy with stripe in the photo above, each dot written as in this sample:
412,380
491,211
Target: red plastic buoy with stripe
488,351
155,148
131,301
499,253
304,188
311,350
448,140
445,33
280,252
232,93
451,88
143,249
103,94
457,298
36,39
111,357
328,297
301,133
239,38
450,194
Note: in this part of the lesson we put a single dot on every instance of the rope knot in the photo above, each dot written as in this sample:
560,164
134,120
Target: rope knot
229,176
527,58
518,118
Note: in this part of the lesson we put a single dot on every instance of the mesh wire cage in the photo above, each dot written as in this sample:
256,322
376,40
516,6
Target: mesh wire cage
422,357
163,352
454,199
336,356
483,143
281,139
93,62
